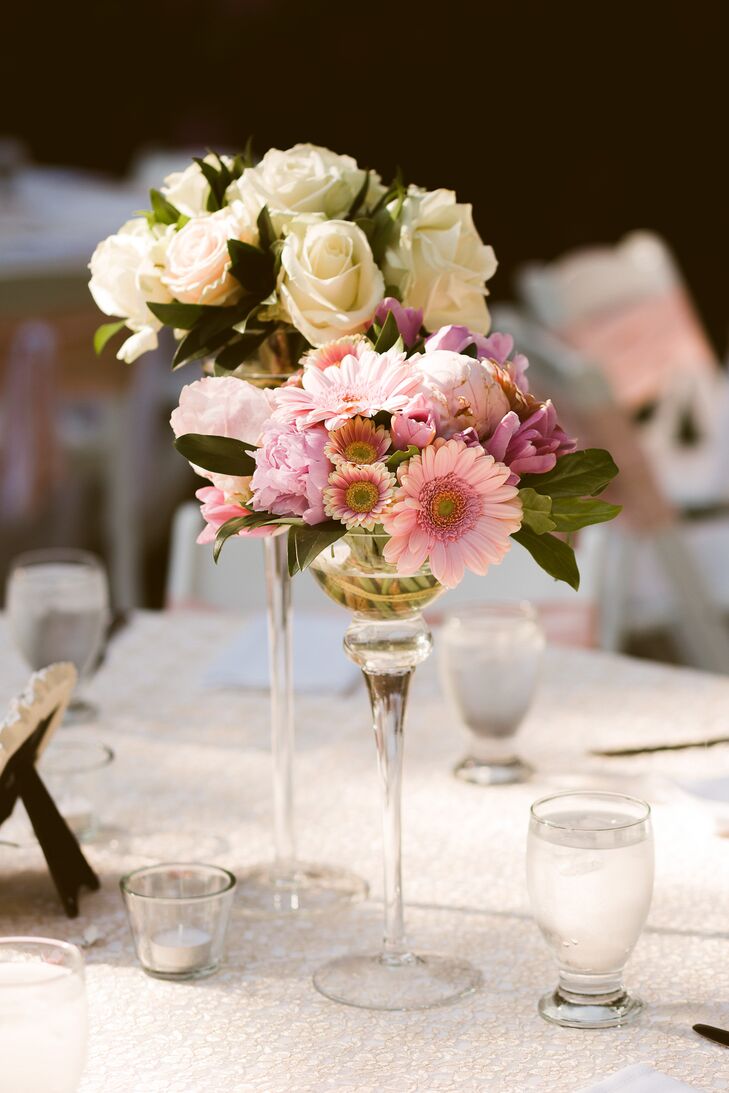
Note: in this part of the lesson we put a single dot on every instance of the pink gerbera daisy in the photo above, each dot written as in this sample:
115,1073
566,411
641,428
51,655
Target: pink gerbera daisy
359,386
357,441
455,509
359,495
335,352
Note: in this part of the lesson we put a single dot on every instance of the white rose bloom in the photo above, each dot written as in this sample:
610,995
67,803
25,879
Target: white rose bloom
302,180
329,284
440,262
198,261
189,190
126,272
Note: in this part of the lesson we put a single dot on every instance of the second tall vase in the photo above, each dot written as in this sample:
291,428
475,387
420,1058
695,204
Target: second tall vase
285,884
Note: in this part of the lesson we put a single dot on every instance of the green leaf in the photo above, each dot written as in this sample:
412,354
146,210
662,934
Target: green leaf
359,197
252,267
536,511
554,556
181,316
388,334
217,190
242,348
573,513
393,461
212,331
164,211
104,332
266,230
575,475
306,542
267,519
225,532
220,454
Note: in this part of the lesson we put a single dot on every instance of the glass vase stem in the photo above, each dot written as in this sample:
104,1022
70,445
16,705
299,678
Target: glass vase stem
278,592
388,695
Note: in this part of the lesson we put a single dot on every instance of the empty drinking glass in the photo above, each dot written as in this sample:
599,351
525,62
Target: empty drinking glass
43,1024
490,659
590,876
58,606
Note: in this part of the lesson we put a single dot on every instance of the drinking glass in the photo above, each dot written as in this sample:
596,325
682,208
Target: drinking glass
43,1024
490,661
58,606
590,876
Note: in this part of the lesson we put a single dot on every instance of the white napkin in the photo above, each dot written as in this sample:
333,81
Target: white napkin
640,1078
320,664
713,795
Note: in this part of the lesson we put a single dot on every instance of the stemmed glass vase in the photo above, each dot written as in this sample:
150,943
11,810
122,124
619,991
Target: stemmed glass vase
285,884
387,638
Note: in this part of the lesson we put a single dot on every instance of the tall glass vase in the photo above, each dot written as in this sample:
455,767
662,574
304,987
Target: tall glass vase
387,638
287,884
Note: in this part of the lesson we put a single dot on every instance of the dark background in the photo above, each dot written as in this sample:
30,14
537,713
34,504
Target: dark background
563,123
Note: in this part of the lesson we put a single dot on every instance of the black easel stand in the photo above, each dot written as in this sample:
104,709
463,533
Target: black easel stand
67,865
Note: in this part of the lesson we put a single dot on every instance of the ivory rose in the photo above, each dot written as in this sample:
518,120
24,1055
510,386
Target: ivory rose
329,284
189,190
126,272
440,263
300,180
198,262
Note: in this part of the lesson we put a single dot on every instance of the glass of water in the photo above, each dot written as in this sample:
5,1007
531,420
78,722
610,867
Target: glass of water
590,876
43,1022
58,606
490,660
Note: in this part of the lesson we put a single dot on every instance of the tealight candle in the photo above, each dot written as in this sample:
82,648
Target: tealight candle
179,917
181,949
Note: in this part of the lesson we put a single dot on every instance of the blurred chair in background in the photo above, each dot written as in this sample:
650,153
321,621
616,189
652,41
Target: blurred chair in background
651,522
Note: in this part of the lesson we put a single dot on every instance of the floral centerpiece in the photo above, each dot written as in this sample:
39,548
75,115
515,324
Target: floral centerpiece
397,446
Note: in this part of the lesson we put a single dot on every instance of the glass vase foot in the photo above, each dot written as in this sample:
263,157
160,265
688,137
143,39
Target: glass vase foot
302,886
589,1011
480,773
411,981
80,712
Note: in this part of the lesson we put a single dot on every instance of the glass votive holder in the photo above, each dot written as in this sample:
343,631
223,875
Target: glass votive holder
43,1021
73,772
179,914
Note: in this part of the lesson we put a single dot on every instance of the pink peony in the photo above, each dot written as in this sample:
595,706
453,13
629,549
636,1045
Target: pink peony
357,387
413,425
532,446
222,406
409,319
216,511
291,472
494,347
464,392
455,509
359,495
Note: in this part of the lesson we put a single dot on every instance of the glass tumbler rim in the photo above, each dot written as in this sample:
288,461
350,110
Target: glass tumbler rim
521,610
104,755
20,941
607,795
126,882
72,555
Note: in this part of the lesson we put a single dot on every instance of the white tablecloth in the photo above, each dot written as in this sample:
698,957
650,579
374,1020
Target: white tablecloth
195,762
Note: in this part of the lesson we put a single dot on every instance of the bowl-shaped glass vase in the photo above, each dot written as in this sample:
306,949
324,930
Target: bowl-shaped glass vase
387,638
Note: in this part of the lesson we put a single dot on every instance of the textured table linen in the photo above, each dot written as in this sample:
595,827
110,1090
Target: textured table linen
194,762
